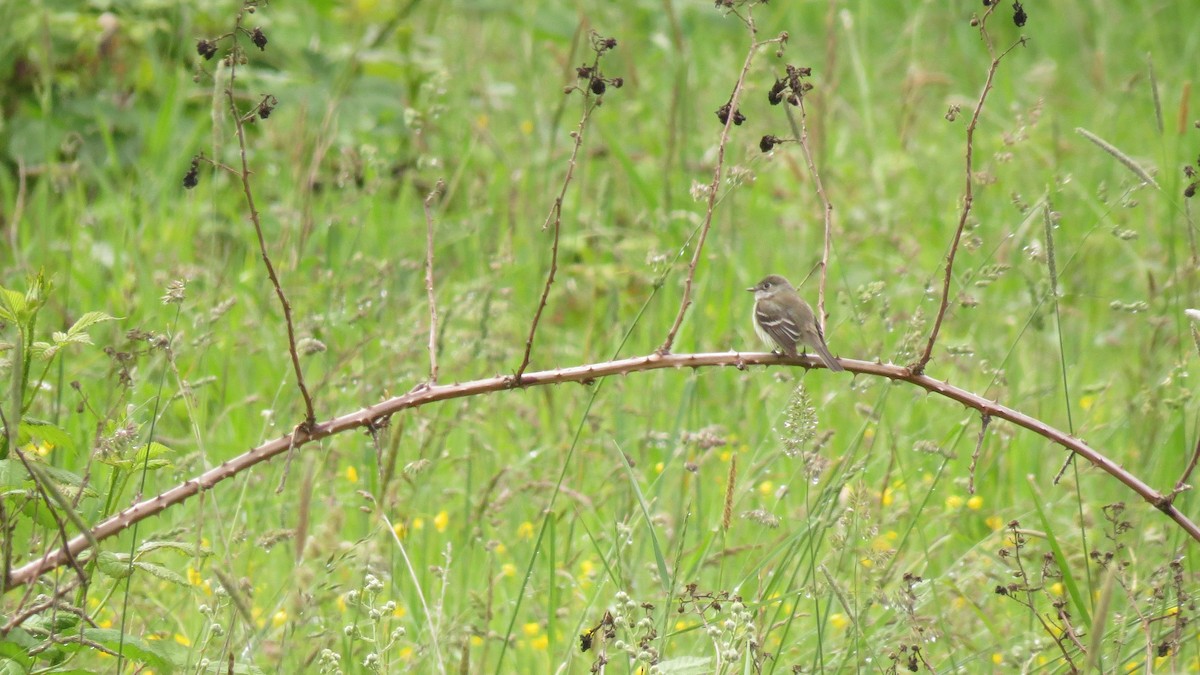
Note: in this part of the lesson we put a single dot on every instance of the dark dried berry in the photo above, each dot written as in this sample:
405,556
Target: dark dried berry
597,86
1019,15
738,117
1189,171
192,178
610,43
723,114
206,49
768,142
775,96
267,107
259,40
617,82
1190,191
584,72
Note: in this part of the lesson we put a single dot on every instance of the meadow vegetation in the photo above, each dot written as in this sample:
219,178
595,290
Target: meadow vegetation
170,172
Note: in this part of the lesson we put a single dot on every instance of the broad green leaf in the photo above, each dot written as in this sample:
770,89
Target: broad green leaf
33,429
37,510
12,474
14,656
12,306
113,565
152,450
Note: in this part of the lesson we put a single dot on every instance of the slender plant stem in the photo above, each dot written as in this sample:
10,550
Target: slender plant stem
969,192
433,317
554,217
1182,483
801,132
714,188
239,123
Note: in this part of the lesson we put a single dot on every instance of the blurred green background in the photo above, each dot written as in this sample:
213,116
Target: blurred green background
511,523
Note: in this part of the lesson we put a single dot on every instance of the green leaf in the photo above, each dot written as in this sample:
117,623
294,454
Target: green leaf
37,510
31,429
162,655
189,549
43,350
12,306
14,656
10,666
77,330
162,573
148,456
113,565
152,450
12,474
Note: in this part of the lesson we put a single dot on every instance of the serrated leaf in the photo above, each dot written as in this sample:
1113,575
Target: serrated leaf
87,321
12,306
13,474
152,449
162,573
132,465
36,510
189,549
43,350
61,475
30,429
113,565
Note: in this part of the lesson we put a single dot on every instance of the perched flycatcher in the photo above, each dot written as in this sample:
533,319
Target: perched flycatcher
784,320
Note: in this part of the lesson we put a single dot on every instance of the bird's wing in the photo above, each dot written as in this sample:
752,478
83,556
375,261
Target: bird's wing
781,329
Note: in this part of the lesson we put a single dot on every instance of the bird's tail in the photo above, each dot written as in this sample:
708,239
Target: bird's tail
830,362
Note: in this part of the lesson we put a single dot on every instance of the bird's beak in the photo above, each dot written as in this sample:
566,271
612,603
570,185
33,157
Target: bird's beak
751,289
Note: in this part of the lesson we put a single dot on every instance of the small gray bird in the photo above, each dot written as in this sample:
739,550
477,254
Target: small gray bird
783,320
